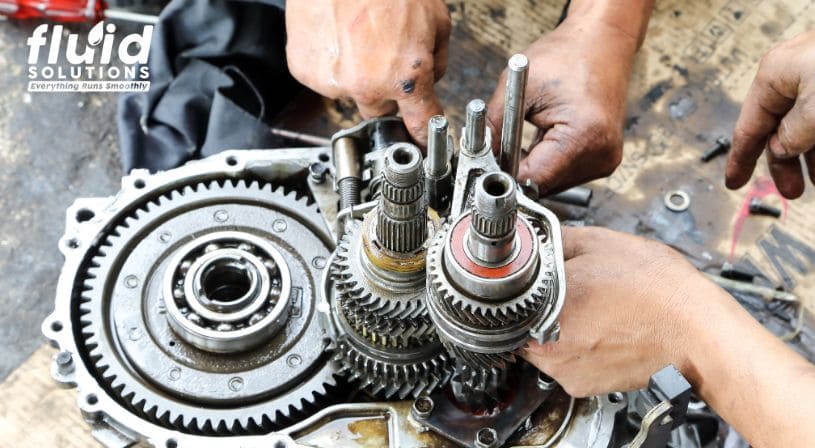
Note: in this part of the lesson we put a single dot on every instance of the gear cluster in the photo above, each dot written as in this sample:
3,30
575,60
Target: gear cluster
387,340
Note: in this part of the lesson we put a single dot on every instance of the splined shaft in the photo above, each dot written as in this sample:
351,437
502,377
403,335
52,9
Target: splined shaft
402,216
492,230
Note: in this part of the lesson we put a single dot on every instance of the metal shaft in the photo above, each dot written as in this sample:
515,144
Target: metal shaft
437,163
511,132
401,224
492,230
348,171
475,127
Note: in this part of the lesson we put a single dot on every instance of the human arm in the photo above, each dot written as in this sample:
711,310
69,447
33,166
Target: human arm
386,55
778,118
635,305
576,94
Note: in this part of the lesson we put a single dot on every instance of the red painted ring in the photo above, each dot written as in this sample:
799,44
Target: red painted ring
525,237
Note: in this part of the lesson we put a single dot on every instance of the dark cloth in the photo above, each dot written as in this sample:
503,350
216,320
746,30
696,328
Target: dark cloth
218,76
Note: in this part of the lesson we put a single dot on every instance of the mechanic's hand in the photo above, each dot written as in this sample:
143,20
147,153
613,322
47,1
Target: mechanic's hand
778,115
384,54
626,313
576,96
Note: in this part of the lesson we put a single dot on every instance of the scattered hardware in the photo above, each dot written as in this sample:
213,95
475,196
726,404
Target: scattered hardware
721,147
757,207
281,298
677,201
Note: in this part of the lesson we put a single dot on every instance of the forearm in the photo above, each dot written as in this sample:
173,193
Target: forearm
751,378
629,17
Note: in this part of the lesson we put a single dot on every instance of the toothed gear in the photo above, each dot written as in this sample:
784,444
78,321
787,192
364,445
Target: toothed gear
389,371
131,351
450,307
492,314
386,317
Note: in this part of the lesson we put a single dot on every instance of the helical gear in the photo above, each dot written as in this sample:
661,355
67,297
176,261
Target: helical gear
386,338
390,371
398,319
459,308
489,314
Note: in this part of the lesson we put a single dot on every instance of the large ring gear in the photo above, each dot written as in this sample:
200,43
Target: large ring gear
193,305
244,300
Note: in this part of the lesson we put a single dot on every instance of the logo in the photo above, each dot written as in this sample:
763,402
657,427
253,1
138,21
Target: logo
99,65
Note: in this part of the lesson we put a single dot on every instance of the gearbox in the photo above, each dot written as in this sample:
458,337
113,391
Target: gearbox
360,294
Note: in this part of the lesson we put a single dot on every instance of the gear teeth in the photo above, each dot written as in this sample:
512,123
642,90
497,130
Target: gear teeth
116,378
488,315
407,378
480,372
404,321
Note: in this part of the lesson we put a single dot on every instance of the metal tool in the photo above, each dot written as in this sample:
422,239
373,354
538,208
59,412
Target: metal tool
70,11
301,137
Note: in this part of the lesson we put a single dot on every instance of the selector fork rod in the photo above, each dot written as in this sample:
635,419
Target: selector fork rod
511,132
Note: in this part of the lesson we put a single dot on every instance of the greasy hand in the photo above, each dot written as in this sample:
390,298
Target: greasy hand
383,54
576,95
626,312
778,118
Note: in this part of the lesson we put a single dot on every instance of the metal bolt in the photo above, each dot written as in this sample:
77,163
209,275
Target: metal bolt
475,127
546,382
348,171
759,208
486,438
65,363
423,407
722,146
317,172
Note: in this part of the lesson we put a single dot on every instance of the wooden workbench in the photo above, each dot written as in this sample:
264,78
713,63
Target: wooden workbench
694,69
